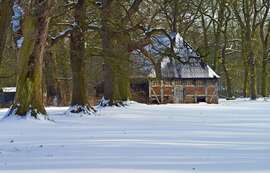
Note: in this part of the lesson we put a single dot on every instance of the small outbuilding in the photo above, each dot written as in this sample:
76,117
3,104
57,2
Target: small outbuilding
7,95
183,75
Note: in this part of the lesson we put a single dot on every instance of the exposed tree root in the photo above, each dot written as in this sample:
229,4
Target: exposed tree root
81,110
107,103
31,114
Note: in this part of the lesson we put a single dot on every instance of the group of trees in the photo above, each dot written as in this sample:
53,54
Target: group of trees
91,40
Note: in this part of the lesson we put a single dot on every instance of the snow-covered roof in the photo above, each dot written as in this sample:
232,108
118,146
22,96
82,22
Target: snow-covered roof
186,64
8,89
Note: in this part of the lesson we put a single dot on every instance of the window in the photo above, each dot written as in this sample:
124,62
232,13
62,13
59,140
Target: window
178,82
200,83
188,82
155,83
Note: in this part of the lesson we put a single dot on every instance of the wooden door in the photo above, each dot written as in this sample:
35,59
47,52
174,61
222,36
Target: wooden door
178,94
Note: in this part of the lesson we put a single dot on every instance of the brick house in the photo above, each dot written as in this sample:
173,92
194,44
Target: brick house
183,76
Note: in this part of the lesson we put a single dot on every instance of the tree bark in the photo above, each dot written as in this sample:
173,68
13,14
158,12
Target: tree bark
115,44
264,72
106,45
226,73
251,62
205,39
29,94
253,92
246,91
245,73
79,101
5,18
264,37
174,15
223,59
264,76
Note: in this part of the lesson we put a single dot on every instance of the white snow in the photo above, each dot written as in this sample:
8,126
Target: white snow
233,137
9,89
165,61
211,72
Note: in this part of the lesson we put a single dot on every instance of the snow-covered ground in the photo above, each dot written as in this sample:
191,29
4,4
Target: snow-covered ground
233,136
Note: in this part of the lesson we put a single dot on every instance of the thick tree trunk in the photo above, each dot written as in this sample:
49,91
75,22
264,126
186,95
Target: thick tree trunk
108,83
116,72
264,35
116,52
205,39
121,77
252,82
175,15
253,93
122,70
228,79
5,18
226,72
107,68
264,76
245,88
216,52
29,94
250,66
246,92
106,45
79,101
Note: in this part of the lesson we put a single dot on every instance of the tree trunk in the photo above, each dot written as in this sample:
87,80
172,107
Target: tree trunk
106,45
120,69
116,71
116,52
205,39
175,15
29,94
251,56
122,72
228,79
5,18
264,76
264,35
245,89
223,63
79,102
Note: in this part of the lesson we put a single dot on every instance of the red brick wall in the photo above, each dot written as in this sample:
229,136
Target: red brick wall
192,89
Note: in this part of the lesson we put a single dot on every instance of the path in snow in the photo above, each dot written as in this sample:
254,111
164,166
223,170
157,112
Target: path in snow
233,136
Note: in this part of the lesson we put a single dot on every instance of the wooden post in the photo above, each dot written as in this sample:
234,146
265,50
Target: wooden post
206,93
161,91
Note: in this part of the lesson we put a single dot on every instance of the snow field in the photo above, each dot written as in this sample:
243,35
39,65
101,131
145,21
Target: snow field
233,136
